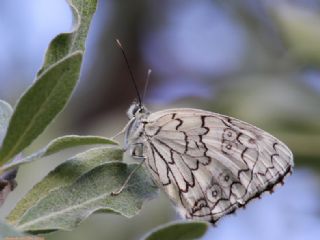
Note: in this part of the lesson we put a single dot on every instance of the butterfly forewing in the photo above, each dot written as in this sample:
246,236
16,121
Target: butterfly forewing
210,164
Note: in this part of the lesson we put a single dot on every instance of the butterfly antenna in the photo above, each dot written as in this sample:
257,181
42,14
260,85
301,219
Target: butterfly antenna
146,84
130,71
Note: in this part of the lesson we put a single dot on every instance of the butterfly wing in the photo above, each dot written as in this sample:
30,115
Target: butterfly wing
210,164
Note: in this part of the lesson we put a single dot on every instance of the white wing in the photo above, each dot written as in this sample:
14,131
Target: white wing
210,164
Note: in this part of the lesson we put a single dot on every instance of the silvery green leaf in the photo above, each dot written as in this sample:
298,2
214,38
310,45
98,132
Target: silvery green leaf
66,207
64,175
53,85
178,231
58,145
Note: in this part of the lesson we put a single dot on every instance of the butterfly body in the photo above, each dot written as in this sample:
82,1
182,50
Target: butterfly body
208,164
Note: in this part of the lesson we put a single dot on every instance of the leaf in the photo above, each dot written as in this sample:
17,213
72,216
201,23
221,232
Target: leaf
7,232
66,207
60,144
179,231
39,105
65,44
7,182
5,114
64,142
64,175
53,86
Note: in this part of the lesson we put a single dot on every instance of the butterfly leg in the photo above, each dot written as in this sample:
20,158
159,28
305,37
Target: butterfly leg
127,180
124,129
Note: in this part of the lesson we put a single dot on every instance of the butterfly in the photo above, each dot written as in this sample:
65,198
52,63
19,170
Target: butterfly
208,164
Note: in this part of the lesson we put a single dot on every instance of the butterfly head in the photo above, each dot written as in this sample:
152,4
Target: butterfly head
136,110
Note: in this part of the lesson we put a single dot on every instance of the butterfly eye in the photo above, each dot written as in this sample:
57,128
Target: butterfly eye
132,111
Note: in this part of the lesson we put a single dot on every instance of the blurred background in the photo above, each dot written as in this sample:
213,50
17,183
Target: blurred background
258,61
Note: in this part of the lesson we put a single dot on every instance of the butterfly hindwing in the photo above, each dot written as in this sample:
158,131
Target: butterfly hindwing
210,164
